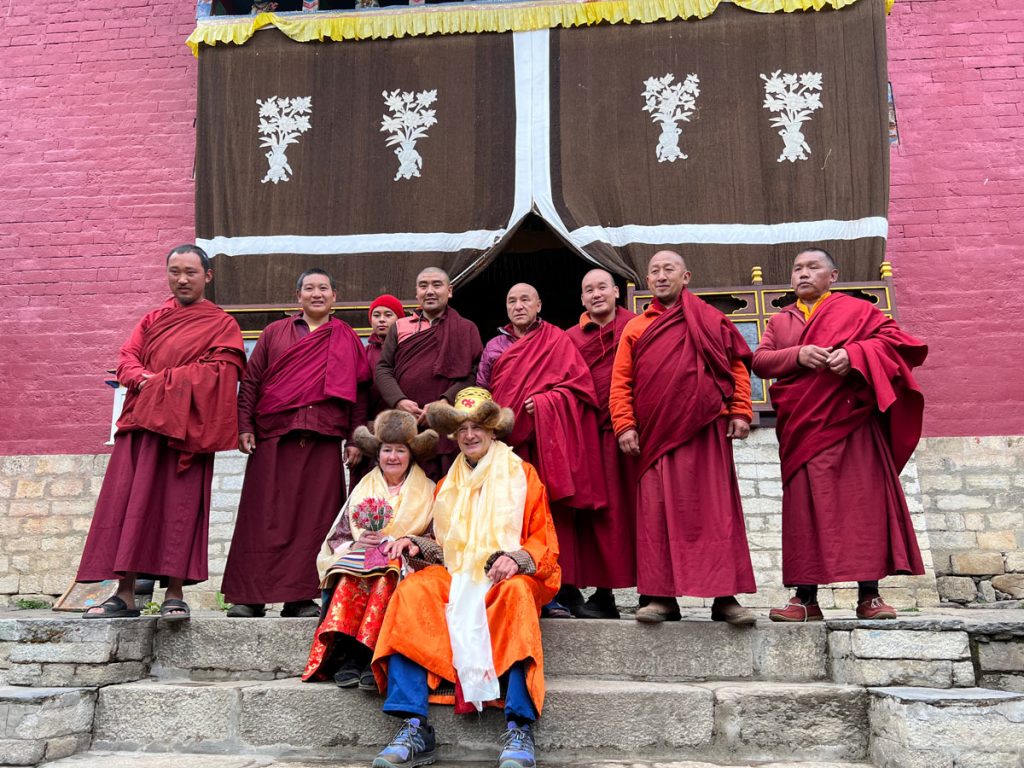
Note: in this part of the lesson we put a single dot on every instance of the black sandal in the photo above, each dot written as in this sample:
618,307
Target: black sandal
112,608
174,610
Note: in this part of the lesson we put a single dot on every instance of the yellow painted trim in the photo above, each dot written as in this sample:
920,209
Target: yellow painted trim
395,22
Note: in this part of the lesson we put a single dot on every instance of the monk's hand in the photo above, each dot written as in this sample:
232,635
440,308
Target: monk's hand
370,538
409,406
839,362
352,455
812,356
404,545
738,429
246,442
502,568
629,442
145,377
528,405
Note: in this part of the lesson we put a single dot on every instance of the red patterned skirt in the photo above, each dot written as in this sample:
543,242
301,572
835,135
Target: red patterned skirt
356,609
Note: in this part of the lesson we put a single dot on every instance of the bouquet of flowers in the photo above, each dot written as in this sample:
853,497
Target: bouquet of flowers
372,514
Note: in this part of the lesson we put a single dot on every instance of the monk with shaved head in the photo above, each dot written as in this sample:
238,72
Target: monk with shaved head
428,357
680,393
606,539
533,368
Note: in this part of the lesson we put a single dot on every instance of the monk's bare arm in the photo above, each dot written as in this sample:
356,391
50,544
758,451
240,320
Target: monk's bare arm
771,362
384,376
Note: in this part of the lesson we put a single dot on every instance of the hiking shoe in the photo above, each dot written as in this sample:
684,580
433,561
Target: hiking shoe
600,605
414,744
731,612
517,750
349,673
875,608
796,610
659,610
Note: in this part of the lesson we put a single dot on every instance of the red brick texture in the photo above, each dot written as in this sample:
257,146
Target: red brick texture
98,144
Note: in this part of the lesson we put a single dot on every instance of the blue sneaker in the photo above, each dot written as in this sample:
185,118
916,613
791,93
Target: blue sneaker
413,745
517,750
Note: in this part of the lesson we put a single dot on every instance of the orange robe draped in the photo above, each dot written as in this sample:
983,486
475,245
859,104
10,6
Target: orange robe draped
415,624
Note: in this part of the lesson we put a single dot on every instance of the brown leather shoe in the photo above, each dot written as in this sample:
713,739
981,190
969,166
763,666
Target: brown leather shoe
875,608
659,610
795,610
731,612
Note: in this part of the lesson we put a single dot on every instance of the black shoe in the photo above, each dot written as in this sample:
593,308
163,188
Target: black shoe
304,609
570,597
600,605
414,744
348,675
247,611
367,682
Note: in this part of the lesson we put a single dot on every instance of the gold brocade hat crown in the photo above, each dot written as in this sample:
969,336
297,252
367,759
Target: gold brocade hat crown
471,404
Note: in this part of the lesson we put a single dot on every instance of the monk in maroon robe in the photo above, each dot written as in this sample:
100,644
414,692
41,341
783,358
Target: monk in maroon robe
303,393
383,313
181,367
606,538
534,368
849,417
680,392
428,357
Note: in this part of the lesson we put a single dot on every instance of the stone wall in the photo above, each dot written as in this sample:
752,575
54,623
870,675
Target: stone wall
46,504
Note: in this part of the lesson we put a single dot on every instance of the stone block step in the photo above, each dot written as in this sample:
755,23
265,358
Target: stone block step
960,728
44,723
98,759
240,649
613,719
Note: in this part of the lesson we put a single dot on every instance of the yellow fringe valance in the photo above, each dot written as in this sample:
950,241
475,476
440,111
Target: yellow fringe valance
470,17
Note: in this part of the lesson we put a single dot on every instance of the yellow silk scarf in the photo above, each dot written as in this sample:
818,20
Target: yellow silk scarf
479,511
411,517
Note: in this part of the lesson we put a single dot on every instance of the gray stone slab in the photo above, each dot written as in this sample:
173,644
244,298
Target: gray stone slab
791,652
785,721
66,714
908,644
940,698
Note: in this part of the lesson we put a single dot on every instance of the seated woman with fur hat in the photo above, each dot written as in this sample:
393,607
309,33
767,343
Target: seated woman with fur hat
360,567
466,631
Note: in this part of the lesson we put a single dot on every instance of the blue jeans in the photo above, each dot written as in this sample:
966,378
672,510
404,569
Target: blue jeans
408,692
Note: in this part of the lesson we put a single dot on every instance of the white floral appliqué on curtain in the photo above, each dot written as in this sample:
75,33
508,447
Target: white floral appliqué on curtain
793,98
282,121
669,102
408,122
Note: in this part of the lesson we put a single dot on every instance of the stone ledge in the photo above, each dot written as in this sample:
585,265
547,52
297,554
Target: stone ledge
44,723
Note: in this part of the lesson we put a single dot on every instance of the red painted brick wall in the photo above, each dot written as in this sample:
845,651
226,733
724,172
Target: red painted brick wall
957,205
96,132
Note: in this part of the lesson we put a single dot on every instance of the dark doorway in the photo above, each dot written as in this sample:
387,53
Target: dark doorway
534,255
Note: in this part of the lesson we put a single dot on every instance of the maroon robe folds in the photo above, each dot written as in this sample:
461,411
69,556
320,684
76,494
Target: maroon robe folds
606,539
431,364
303,393
843,441
691,536
560,438
152,514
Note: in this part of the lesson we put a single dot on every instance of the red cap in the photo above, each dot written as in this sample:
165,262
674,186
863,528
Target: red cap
388,301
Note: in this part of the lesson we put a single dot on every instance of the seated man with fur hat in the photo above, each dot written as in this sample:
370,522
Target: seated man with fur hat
466,631
360,567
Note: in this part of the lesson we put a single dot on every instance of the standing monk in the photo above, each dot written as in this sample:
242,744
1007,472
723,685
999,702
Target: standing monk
607,539
303,393
384,313
680,392
534,368
849,416
181,367
428,357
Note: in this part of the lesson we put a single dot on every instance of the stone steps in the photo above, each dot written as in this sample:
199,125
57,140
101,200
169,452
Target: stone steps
240,649
44,723
609,718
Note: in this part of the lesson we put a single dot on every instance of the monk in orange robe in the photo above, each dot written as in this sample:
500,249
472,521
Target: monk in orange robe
680,393
467,630
849,417
181,367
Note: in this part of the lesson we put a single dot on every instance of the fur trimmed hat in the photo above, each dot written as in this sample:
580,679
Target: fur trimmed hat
471,404
396,427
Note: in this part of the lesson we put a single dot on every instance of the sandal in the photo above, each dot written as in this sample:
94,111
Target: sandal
174,610
111,608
